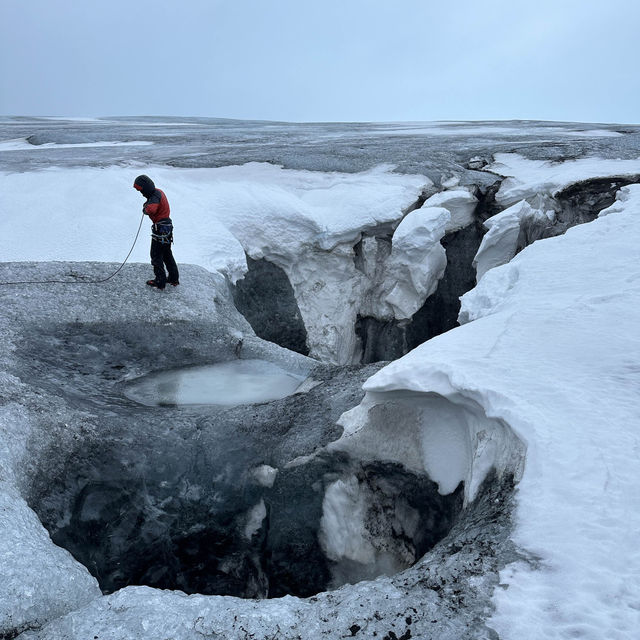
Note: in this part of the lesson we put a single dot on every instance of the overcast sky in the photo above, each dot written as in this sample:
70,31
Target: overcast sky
323,60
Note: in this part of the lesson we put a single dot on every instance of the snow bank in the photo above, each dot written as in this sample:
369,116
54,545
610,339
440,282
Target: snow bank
459,203
526,178
417,260
552,360
579,367
509,231
219,213
627,198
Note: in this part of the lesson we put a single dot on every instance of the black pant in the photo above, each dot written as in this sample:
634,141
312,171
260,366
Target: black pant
160,256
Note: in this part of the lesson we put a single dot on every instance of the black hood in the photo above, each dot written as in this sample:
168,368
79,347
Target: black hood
145,184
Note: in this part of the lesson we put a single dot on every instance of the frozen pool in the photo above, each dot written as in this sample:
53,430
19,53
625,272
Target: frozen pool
226,384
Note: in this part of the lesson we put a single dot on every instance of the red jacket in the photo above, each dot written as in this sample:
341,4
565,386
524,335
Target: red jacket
157,206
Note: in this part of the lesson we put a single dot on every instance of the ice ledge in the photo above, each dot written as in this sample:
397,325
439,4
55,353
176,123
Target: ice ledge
528,178
441,431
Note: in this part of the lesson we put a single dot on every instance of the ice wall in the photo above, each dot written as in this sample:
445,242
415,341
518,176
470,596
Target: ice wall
387,275
39,580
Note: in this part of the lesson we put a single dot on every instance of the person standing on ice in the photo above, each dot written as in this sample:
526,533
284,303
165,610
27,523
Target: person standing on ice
157,208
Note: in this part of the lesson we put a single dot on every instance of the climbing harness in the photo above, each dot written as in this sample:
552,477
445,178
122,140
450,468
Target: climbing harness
162,231
86,281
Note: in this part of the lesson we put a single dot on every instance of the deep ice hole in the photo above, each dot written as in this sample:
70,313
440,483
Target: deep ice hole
168,515
172,499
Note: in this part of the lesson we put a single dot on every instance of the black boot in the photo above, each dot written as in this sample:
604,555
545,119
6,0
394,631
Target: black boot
153,283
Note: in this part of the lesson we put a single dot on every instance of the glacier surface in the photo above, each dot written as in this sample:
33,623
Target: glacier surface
537,388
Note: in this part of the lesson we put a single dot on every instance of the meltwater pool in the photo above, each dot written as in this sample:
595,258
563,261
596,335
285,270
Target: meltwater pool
225,384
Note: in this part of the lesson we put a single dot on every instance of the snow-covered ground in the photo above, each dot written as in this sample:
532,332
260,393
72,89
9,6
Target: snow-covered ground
547,360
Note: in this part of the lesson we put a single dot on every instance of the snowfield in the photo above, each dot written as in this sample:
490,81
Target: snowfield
541,382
